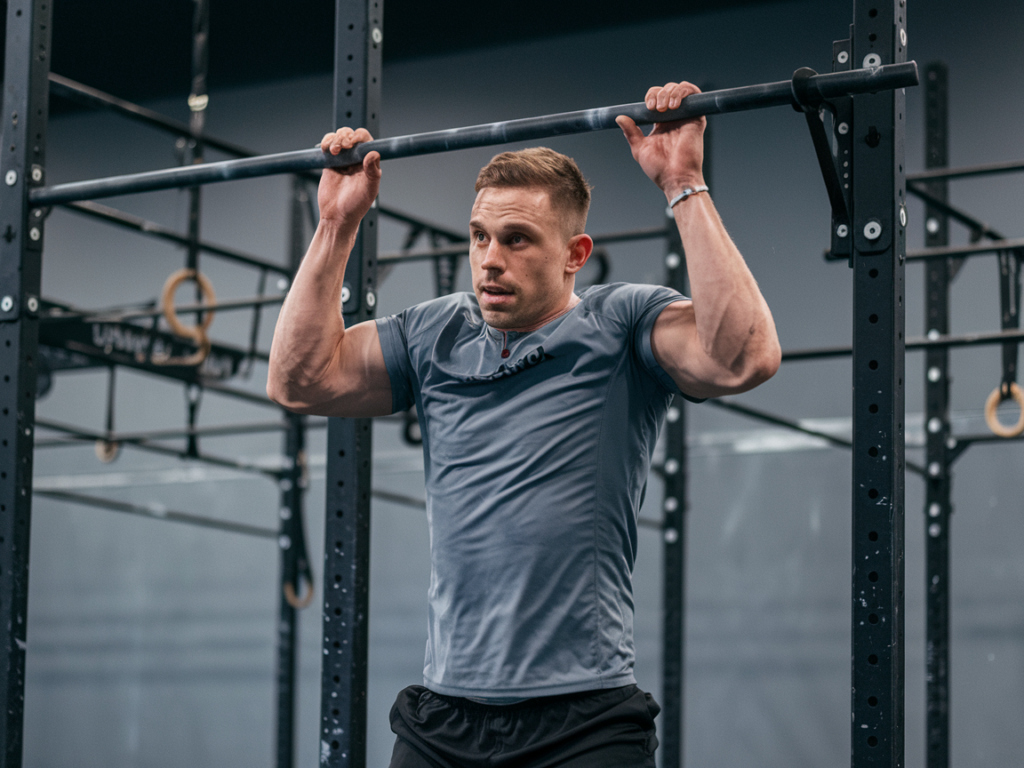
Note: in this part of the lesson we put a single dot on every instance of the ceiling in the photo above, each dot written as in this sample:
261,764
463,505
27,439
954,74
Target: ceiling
138,49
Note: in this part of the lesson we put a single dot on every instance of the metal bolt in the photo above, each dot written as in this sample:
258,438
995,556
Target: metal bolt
11,178
951,442
671,535
935,469
672,260
934,425
872,60
671,467
285,484
34,233
843,128
377,35
934,530
284,542
843,57
7,303
197,102
873,230
286,513
37,174
934,509
371,299
903,216
282,283
934,374
842,230
673,415
903,37
933,334
671,504
33,304
932,225
346,294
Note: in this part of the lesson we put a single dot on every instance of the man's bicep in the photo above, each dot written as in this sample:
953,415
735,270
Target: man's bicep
677,349
358,385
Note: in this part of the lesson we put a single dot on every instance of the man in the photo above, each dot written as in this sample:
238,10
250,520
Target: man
540,409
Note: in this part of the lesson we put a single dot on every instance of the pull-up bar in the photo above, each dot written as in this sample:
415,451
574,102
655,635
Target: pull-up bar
749,97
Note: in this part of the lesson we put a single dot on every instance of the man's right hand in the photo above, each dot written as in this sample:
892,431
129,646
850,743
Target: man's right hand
316,364
346,194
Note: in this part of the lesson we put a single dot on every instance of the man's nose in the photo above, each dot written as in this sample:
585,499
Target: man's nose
493,258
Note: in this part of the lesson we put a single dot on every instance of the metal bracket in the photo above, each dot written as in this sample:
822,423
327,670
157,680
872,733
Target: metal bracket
806,99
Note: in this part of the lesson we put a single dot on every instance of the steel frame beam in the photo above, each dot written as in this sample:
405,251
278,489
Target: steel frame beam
675,506
294,568
986,338
343,689
526,129
23,121
878,37
987,169
167,515
938,503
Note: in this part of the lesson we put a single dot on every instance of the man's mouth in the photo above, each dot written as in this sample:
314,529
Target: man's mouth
495,290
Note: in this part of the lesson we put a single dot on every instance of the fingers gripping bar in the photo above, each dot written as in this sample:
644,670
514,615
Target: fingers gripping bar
815,87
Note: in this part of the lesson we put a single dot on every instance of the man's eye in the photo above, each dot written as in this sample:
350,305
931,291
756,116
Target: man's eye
517,239
479,237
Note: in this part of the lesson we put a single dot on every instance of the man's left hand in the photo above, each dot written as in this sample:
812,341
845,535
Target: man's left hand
672,154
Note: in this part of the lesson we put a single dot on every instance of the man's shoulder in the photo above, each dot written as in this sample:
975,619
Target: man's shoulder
625,300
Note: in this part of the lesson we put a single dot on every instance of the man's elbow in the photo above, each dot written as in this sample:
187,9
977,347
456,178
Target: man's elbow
771,360
288,396
763,364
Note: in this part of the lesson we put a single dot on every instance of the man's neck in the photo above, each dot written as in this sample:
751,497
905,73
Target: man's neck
571,302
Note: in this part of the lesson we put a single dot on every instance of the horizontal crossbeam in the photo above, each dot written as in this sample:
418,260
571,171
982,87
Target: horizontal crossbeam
740,99
962,173
158,513
959,251
962,340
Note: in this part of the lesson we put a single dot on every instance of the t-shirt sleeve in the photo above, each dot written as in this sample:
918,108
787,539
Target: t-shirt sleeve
647,307
394,344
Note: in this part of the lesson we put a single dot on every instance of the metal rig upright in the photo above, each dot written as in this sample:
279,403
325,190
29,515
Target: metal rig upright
878,216
23,121
357,75
675,505
938,505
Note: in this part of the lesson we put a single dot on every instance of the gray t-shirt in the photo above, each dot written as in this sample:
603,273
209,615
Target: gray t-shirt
536,450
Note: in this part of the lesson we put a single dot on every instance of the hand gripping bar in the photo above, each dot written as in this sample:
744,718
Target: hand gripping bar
884,78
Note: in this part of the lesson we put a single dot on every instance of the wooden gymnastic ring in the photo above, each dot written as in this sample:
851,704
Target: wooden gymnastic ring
196,333
992,404
167,301
294,600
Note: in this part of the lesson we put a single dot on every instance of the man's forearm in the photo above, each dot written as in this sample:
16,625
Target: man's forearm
310,329
734,324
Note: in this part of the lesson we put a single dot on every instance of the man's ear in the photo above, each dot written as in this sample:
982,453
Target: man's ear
580,247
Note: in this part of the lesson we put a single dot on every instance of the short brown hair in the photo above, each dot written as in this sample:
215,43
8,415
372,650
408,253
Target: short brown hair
545,168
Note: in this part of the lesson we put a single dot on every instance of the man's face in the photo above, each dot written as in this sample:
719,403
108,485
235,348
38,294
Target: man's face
521,257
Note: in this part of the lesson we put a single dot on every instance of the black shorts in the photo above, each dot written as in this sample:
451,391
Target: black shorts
611,728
